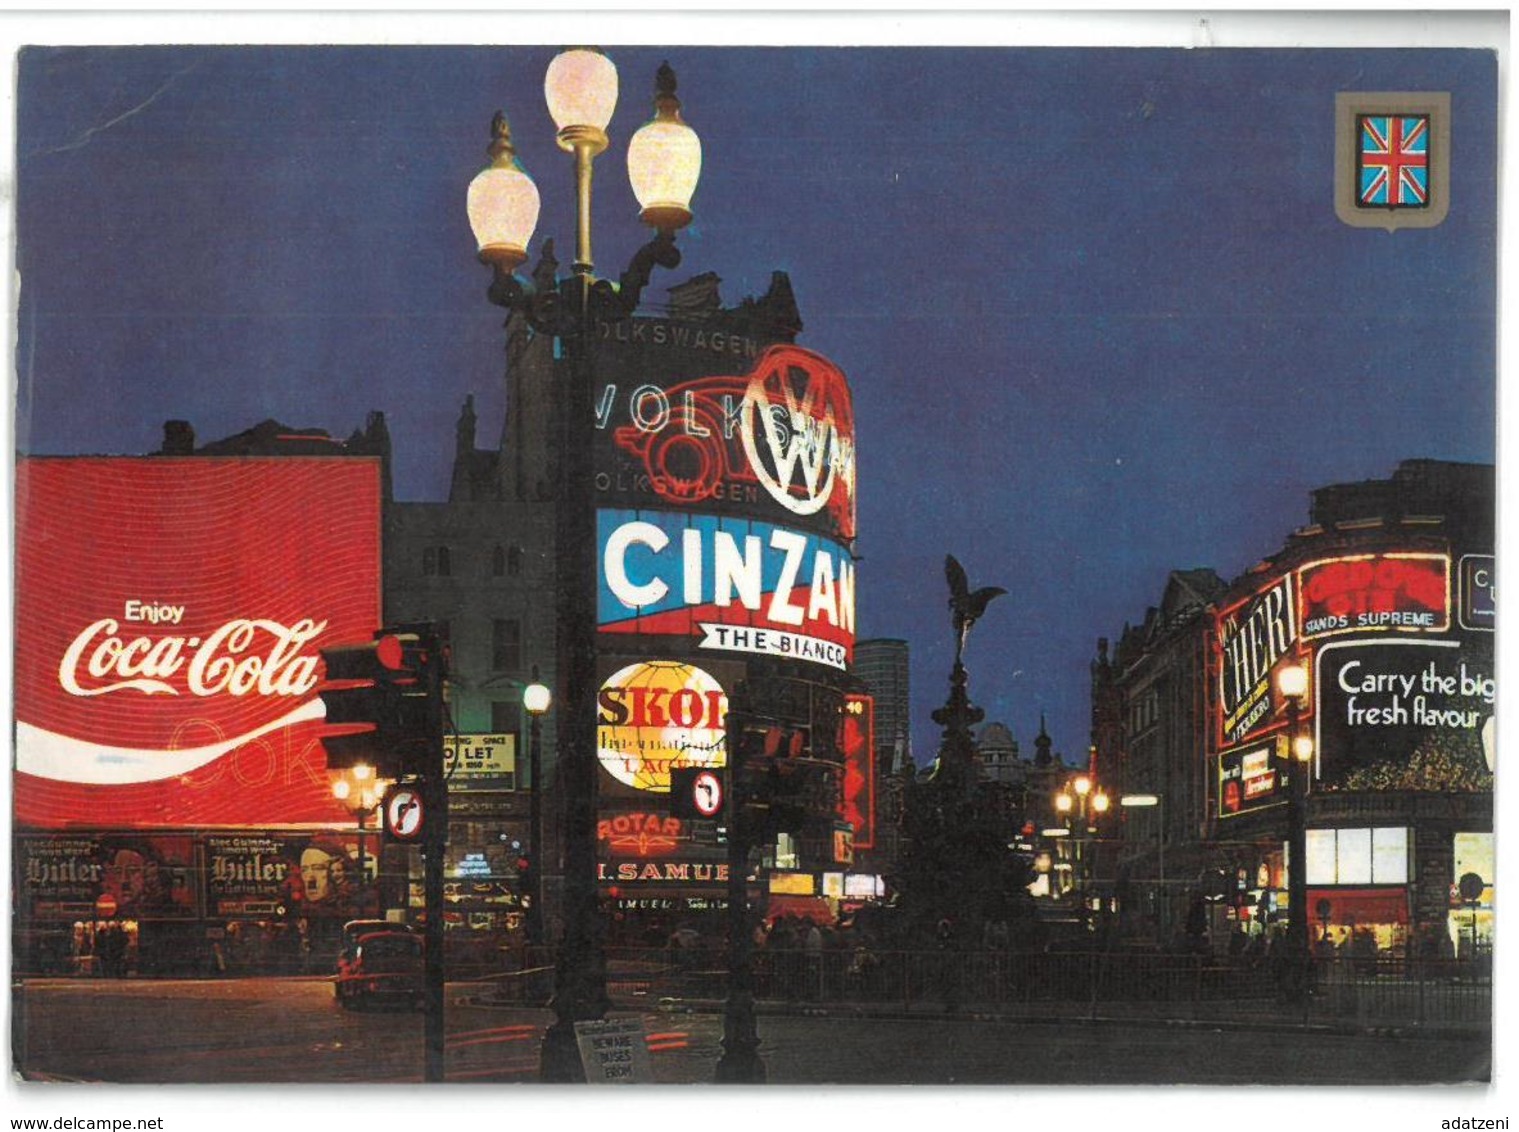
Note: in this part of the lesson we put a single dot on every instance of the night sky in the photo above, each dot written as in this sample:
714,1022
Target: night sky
1099,315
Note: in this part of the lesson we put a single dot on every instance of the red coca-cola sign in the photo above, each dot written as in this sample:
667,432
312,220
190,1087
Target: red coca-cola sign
169,617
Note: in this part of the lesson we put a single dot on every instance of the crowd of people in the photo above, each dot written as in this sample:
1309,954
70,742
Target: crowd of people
104,948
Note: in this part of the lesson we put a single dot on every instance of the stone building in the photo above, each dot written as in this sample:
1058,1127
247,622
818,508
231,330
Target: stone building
1386,596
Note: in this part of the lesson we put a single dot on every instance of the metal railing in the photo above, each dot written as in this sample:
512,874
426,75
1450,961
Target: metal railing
1385,992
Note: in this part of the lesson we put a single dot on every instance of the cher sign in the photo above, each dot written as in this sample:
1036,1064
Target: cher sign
659,714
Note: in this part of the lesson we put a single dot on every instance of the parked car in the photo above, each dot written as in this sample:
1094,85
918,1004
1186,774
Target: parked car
382,966
349,945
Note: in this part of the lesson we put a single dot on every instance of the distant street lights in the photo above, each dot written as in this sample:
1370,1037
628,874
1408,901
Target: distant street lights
664,164
1292,683
536,700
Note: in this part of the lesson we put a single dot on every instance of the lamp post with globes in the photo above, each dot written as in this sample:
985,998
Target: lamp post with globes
1082,805
360,791
1292,683
536,700
664,163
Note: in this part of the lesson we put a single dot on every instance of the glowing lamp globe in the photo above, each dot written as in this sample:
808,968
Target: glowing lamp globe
536,699
664,160
581,90
1292,681
503,212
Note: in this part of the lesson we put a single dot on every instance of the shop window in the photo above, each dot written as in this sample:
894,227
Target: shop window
785,851
1389,855
1357,856
1352,856
1474,854
1320,846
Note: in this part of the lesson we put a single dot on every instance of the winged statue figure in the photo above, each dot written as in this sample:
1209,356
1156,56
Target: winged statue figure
965,606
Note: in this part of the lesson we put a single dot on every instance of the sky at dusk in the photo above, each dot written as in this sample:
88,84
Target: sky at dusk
1099,316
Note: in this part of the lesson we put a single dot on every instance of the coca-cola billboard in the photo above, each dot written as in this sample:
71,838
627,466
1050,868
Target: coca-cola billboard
169,614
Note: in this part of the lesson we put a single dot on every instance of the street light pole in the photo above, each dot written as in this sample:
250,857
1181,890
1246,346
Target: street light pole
1292,682
740,1062
363,804
1087,805
664,162
536,699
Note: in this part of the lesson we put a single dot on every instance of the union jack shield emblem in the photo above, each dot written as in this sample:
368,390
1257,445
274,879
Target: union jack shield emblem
1392,158
1392,166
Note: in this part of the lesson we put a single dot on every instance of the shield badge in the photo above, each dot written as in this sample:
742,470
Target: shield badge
1392,159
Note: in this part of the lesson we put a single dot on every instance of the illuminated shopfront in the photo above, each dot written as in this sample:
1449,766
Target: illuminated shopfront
1393,622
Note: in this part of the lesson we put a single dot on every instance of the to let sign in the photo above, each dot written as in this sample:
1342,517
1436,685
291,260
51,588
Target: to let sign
614,1052
482,756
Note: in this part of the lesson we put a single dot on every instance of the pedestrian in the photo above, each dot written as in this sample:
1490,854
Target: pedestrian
113,950
949,967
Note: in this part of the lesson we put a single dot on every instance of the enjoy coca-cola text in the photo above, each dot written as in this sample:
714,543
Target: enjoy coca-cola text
242,656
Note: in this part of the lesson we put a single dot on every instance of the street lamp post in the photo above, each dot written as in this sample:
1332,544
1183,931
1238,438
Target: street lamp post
1157,800
536,699
740,1062
664,163
1292,682
359,791
1084,804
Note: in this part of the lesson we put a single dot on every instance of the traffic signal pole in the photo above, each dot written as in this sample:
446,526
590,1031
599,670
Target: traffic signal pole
434,841
740,1062
387,697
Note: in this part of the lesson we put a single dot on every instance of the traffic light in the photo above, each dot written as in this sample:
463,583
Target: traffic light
525,885
380,703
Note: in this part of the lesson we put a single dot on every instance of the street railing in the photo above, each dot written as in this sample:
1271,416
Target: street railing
1355,990
1388,992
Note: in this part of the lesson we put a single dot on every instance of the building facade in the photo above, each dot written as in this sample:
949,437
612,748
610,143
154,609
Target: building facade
1150,721
882,665
706,497
725,483
1386,597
